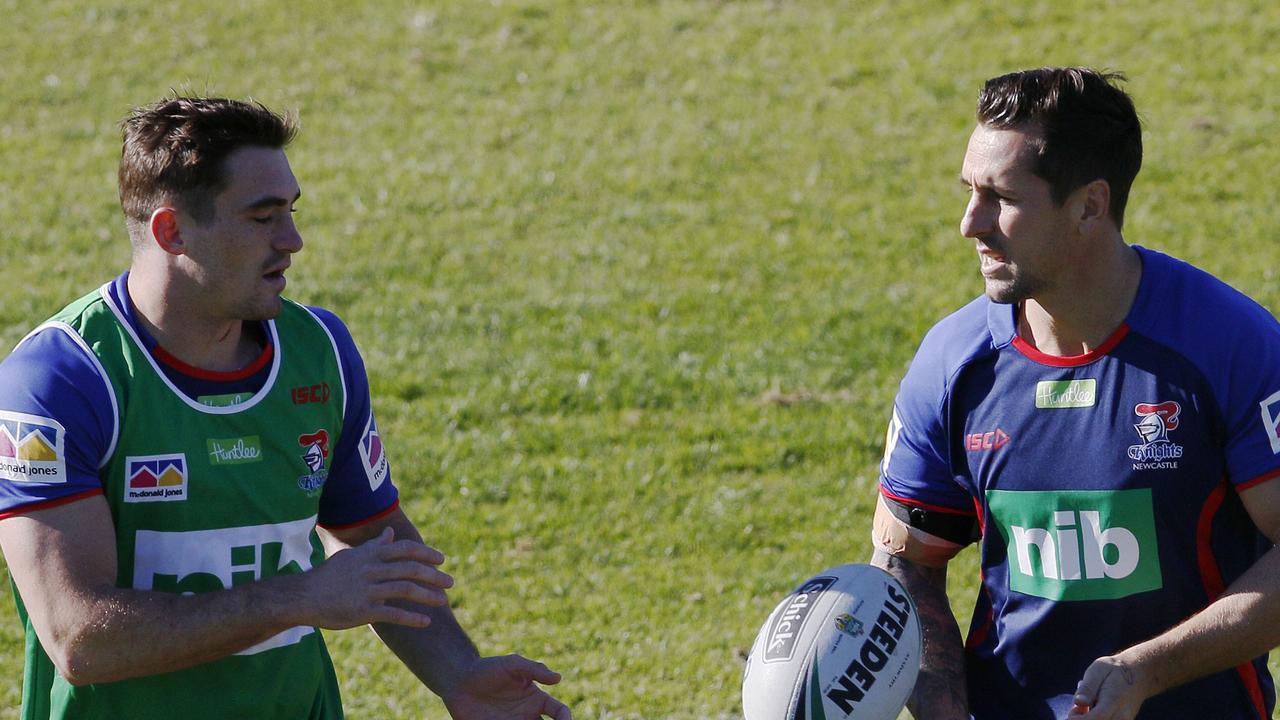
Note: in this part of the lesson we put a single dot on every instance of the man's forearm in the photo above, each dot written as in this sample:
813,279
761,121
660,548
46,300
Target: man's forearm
63,561
439,655
1241,625
940,692
117,635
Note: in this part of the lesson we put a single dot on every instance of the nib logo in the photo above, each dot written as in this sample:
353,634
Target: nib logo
1078,544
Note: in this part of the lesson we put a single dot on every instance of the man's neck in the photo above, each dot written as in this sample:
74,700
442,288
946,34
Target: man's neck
1081,315
173,318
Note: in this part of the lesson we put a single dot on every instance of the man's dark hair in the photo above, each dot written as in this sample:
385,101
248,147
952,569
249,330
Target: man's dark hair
174,151
1088,127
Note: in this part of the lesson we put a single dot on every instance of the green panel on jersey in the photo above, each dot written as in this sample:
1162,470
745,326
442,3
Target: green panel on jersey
1078,544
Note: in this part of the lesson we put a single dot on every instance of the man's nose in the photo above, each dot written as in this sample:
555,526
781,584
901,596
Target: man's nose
978,218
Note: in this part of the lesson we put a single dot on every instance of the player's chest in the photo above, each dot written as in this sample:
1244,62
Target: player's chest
1017,425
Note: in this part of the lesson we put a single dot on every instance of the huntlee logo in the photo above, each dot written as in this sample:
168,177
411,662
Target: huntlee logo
1056,394
234,451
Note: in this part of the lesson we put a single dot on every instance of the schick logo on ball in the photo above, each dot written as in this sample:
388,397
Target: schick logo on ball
780,644
1080,544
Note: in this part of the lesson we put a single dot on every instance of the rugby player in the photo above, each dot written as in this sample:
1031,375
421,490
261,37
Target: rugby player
181,448
1103,421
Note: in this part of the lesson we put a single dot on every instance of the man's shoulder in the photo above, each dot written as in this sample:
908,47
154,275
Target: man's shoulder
974,331
328,321
1191,310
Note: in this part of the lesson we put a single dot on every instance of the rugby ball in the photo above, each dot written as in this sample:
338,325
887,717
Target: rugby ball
845,645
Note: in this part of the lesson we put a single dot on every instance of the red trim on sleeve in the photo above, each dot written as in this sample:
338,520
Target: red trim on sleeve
366,521
200,373
926,506
1258,480
46,504
1211,576
1035,355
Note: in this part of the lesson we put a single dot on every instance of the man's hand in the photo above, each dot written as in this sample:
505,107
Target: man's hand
1111,689
371,582
502,688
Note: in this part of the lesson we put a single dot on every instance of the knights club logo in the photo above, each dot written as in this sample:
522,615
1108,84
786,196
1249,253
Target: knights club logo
1156,451
315,453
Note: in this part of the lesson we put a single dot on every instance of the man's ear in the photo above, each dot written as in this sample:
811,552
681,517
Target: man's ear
1095,205
165,232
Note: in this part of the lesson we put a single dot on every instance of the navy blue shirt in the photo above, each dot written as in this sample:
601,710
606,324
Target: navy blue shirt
1106,484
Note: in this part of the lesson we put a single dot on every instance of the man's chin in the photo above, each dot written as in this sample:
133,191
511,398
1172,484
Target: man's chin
263,311
1004,293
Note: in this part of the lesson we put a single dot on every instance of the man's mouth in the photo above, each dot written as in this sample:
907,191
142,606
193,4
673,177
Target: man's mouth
990,261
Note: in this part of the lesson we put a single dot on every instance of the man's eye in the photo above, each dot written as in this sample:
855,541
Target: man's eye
262,220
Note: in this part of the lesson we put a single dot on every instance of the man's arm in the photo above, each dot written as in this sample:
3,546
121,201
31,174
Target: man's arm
1240,625
444,658
63,561
919,562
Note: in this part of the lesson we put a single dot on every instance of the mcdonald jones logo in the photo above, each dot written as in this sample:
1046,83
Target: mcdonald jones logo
155,478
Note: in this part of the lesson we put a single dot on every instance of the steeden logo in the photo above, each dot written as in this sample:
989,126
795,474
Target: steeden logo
1057,394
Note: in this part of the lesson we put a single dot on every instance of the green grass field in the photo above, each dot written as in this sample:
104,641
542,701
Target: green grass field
635,282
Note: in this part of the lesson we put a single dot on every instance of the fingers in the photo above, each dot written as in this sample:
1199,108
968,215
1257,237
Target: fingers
531,669
383,580
424,575
1087,690
555,709
383,548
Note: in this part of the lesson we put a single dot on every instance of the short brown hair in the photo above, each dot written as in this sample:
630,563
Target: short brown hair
1089,129
174,151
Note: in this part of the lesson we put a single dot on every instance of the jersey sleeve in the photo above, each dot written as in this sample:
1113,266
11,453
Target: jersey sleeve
57,422
916,469
359,487
1253,407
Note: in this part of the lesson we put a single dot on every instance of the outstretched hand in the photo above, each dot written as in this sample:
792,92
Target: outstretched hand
1110,690
504,688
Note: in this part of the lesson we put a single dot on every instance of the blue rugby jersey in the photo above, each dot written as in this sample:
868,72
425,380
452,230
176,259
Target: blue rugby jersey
50,386
1105,484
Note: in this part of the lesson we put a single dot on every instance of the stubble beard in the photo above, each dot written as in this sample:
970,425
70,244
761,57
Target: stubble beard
1019,288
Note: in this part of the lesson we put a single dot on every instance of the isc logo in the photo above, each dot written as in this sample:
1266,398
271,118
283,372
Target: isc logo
201,561
1078,545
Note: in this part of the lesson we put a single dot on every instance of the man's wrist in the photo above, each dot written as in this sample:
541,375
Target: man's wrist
1141,668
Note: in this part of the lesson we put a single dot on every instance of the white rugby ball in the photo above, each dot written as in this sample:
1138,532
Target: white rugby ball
844,645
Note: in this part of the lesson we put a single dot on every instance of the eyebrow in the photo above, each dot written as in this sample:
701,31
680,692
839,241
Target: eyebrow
985,186
271,201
